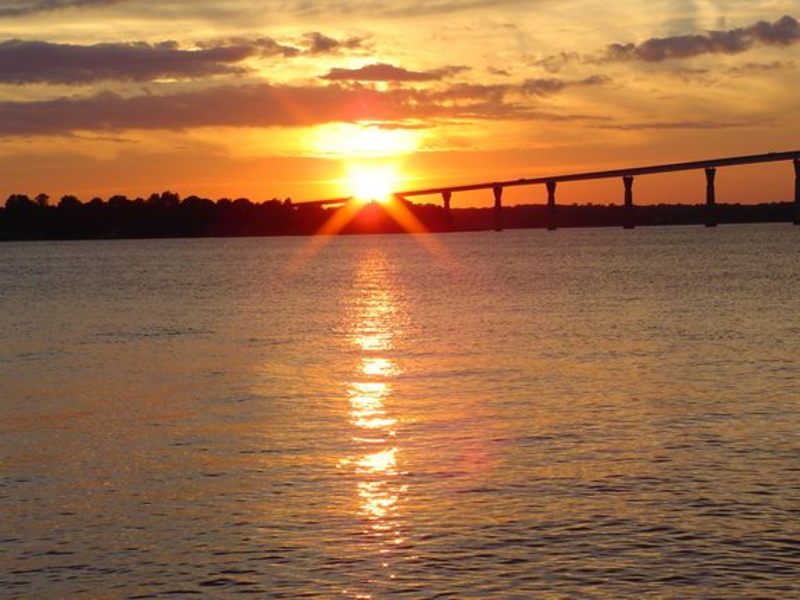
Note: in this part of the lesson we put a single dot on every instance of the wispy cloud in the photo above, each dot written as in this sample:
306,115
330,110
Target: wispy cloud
783,32
548,86
318,43
257,105
264,105
234,9
25,62
780,33
752,68
387,72
18,8
500,72
703,124
394,8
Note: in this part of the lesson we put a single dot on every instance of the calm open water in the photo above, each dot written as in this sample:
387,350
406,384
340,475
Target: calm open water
580,414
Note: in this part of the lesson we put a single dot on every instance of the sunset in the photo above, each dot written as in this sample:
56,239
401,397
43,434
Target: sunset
372,299
263,99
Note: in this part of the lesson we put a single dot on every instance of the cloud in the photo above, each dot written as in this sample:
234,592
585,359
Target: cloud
253,46
393,8
261,105
548,86
470,92
783,32
387,72
671,125
317,43
236,9
497,92
554,63
25,62
755,67
257,105
18,8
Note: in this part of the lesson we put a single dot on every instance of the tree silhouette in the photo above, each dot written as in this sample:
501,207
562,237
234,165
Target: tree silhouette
167,215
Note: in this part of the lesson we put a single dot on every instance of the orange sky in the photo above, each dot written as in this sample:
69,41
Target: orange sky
267,98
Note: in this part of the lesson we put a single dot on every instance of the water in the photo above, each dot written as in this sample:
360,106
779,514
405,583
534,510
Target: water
579,414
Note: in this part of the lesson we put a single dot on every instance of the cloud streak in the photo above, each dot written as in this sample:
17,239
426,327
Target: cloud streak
257,105
702,125
25,62
783,32
18,8
234,9
387,72
548,86
780,33
317,43
265,105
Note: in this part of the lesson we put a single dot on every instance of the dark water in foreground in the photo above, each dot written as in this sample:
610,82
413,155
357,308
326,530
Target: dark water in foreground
579,414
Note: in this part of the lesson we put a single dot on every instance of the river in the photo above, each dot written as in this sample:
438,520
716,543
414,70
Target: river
595,414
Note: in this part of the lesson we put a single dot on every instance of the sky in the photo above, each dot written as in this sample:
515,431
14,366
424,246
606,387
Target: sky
307,98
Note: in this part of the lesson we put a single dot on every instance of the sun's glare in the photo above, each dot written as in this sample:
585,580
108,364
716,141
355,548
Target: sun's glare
372,157
372,183
359,141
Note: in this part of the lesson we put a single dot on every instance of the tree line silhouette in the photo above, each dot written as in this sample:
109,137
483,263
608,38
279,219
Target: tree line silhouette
167,215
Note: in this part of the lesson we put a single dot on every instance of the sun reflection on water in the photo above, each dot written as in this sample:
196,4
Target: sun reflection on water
377,366
376,463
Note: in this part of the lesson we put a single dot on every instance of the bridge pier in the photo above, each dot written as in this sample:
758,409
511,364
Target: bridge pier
448,215
551,205
796,191
629,220
711,198
498,207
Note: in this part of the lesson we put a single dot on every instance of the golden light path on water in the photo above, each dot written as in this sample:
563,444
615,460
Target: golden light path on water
376,468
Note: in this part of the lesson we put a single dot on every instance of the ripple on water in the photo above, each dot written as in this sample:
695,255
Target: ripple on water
557,417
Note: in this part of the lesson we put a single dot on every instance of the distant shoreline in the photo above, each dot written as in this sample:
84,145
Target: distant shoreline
167,216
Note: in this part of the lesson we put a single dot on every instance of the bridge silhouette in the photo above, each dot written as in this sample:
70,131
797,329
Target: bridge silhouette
627,175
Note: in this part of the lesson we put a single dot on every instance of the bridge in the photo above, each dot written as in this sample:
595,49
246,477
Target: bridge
626,175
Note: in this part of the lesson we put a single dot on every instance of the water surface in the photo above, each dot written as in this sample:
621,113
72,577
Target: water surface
580,414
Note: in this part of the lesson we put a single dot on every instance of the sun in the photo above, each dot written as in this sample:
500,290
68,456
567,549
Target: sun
372,158
372,183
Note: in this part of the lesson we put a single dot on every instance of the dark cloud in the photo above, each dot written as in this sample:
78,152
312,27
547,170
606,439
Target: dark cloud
17,8
387,72
783,32
556,62
755,67
23,62
236,9
254,46
548,86
257,105
499,72
530,87
470,92
317,43
260,105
